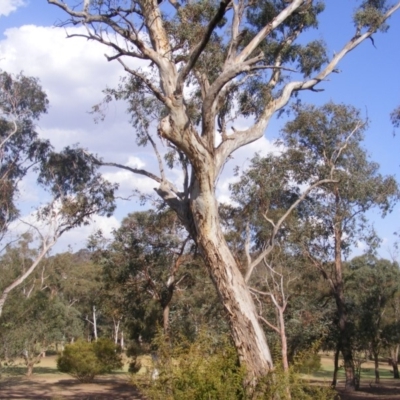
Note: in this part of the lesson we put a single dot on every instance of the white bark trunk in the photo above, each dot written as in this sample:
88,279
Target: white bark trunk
94,323
247,333
116,330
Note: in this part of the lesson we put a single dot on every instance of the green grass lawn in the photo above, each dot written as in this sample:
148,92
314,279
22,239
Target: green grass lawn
367,370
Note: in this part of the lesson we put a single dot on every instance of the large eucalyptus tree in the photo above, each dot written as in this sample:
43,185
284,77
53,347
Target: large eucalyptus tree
202,65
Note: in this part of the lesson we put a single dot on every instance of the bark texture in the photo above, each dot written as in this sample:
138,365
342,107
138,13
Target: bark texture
247,333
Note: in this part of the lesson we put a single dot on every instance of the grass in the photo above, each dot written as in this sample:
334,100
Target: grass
367,370
47,366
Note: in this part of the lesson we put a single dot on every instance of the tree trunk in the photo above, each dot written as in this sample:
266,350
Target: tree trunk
116,330
94,323
344,339
349,370
166,319
376,364
29,370
335,365
394,355
345,342
285,363
122,343
282,330
247,334
396,374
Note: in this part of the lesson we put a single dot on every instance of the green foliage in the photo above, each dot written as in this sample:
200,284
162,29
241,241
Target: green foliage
208,368
84,360
395,117
22,101
309,362
29,326
108,354
371,15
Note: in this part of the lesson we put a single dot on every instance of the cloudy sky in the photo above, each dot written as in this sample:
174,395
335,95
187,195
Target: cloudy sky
73,72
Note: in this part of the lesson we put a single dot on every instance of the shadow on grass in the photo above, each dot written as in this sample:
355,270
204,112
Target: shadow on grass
20,370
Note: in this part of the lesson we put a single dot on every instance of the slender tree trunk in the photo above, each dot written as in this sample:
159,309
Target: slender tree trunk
335,365
165,302
394,354
348,361
396,374
94,323
116,330
282,330
285,363
166,319
247,333
376,366
344,339
122,343
29,370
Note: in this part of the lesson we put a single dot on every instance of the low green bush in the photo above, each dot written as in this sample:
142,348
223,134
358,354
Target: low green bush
84,360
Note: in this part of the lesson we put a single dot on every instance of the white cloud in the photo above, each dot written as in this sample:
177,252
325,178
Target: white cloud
77,238
73,72
9,6
129,182
135,162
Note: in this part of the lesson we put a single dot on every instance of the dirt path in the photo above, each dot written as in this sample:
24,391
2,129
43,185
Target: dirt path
56,387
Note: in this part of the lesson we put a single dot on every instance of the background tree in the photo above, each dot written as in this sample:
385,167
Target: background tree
318,139
372,285
32,324
151,277
22,102
237,56
77,193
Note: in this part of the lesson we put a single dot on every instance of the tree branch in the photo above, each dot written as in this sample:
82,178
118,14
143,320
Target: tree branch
277,226
198,49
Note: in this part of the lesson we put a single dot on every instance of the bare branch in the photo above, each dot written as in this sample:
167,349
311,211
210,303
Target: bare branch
271,242
269,324
263,33
86,18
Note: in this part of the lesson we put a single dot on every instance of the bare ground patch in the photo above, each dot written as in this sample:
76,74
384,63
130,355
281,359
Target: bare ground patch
59,387
386,390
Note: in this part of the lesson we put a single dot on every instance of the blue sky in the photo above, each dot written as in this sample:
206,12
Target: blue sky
73,72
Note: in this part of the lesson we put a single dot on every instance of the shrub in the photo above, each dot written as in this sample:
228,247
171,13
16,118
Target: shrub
308,363
108,354
84,360
208,369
